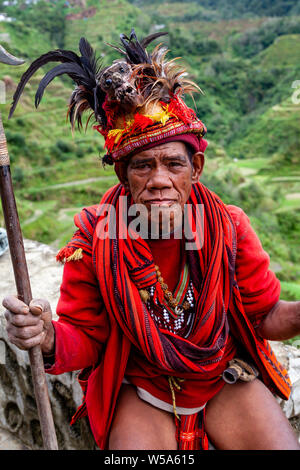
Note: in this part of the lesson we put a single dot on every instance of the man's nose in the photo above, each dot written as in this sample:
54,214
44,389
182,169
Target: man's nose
159,179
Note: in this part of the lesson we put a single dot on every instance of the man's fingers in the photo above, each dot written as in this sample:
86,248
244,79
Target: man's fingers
17,307
29,343
25,332
27,326
12,303
21,320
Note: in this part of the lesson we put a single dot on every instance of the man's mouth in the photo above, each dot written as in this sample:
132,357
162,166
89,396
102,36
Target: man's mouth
161,202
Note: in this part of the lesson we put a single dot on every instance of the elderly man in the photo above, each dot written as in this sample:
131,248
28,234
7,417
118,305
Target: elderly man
170,336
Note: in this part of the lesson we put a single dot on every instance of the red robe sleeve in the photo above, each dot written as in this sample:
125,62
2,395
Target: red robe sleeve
258,285
82,328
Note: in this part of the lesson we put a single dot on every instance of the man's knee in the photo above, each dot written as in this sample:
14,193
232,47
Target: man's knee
138,425
247,416
120,440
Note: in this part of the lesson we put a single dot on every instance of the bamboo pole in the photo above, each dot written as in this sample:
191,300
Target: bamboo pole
22,281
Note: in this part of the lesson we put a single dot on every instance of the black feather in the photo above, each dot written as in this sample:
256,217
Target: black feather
116,48
72,105
82,70
99,100
74,71
88,58
136,53
86,49
58,55
147,40
135,50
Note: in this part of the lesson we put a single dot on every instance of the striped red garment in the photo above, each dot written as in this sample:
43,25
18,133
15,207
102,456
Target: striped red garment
123,266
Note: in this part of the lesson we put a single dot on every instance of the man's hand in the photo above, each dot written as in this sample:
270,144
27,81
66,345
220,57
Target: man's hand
29,326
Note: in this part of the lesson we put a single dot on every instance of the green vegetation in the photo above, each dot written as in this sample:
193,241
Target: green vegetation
243,55
226,9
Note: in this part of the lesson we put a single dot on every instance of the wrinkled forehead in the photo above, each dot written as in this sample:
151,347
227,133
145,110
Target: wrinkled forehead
154,150
172,148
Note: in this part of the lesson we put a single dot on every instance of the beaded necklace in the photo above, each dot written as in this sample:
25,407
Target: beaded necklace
173,314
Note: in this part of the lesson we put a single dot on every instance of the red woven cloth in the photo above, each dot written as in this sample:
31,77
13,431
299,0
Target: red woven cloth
101,343
190,432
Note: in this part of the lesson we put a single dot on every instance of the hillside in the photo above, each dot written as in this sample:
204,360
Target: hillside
212,10
245,59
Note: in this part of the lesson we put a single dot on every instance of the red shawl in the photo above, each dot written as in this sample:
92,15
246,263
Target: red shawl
125,265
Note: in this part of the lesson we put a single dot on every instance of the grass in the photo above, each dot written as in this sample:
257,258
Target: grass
253,163
284,52
111,19
288,205
290,290
273,134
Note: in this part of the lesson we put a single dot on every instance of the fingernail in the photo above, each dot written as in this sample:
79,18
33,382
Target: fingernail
38,306
26,309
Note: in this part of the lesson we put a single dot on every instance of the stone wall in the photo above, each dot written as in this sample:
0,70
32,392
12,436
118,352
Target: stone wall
18,412
19,425
289,357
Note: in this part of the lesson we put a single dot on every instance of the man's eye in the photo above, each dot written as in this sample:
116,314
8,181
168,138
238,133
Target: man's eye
122,70
174,164
143,166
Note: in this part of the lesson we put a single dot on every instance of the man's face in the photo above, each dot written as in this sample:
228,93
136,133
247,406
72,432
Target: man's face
161,178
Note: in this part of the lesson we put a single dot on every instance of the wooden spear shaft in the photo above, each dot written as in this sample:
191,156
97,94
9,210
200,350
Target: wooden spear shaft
22,281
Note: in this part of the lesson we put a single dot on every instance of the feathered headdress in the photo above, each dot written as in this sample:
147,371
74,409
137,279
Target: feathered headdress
137,98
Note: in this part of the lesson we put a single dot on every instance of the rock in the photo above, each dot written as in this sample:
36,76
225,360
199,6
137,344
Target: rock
19,423
45,273
3,241
8,441
289,356
9,83
18,412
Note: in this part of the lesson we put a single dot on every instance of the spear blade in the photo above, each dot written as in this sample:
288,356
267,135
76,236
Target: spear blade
9,59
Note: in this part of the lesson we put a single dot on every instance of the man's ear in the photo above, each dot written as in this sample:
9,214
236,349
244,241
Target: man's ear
121,171
198,165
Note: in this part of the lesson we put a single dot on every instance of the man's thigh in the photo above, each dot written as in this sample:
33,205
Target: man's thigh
246,416
139,426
